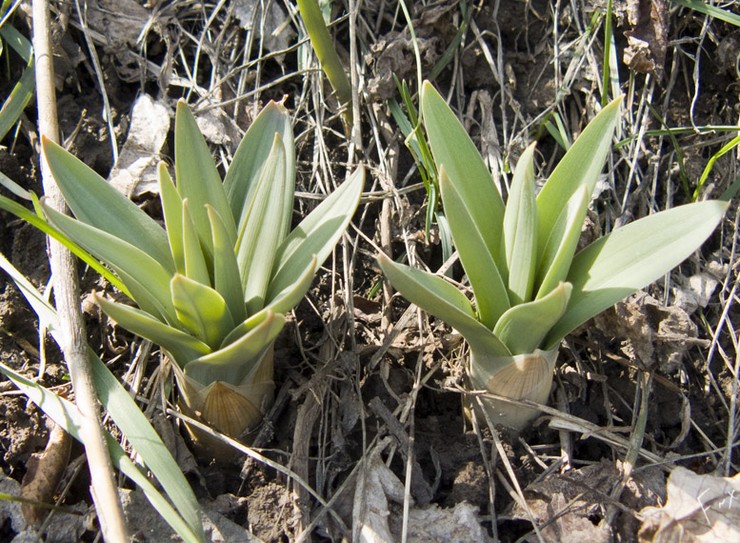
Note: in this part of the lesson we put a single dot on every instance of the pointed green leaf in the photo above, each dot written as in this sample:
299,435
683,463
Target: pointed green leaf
201,310
316,235
520,230
126,260
562,243
251,156
182,346
490,292
236,360
192,247
453,148
196,175
93,201
172,211
226,278
438,297
580,166
632,257
288,298
259,232
523,327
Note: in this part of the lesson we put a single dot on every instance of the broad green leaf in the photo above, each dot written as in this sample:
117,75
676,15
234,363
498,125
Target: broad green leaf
632,257
489,288
182,346
438,297
259,232
196,268
250,158
201,310
40,223
316,235
236,360
520,230
523,327
562,242
453,148
196,175
580,166
93,201
125,259
65,414
226,278
172,211
288,298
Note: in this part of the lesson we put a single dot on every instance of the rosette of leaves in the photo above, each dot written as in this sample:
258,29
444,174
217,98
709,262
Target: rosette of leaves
530,286
213,285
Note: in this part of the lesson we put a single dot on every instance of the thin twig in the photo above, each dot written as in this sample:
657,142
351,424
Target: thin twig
67,299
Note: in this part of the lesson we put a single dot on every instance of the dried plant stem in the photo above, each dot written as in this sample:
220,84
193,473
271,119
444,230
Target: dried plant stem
66,297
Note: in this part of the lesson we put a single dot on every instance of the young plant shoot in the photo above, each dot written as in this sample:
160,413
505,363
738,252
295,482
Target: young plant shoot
213,286
530,287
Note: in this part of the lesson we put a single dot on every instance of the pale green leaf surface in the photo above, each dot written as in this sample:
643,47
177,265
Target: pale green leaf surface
182,346
261,237
453,148
173,220
251,156
196,175
124,258
226,278
632,257
316,235
489,288
96,203
196,268
562,243
65,414
288,298
233,362
580,166
17,100
438,297
523,327
201,310
520,230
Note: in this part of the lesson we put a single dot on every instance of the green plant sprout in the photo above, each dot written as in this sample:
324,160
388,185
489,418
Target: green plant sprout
213,286
530,287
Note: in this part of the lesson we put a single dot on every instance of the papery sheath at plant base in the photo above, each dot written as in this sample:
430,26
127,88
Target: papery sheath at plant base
530,287
213,286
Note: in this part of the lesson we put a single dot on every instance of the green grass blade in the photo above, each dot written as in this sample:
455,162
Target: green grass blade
125,259
325,51
438,297
710,10
453,148
316,235
561,243
226,278
65,414
523,328
250,157
489,287
520,230
632,257
729,146
196,175
235,361
201,310
17,100
181,345
96,203
580,166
